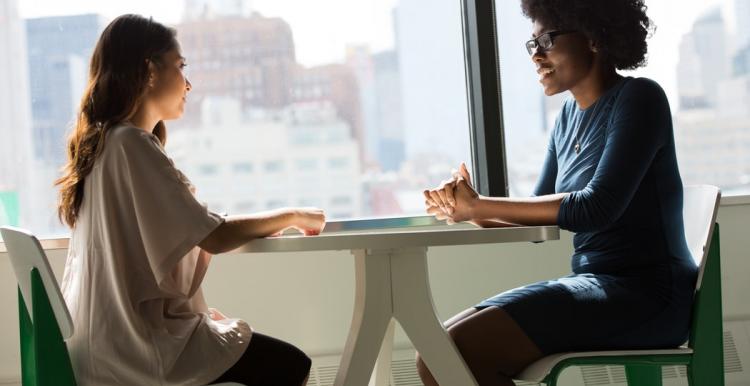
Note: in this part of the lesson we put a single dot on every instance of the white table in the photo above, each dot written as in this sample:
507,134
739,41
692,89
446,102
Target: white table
392,283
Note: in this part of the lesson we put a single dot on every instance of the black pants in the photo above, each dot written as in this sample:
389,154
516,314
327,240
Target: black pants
269,361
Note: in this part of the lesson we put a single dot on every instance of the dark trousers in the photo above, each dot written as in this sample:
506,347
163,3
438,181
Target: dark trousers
269,361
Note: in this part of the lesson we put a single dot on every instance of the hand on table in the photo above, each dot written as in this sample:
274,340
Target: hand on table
454,199
309,221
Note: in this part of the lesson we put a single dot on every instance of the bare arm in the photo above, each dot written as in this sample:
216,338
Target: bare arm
540,210
239,229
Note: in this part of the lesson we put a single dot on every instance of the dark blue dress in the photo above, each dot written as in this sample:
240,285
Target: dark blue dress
633,275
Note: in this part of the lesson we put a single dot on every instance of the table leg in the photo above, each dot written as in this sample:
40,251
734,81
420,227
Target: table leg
373,310
414,309
382,374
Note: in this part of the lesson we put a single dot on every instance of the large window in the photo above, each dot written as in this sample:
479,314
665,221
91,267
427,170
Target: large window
354,106
702,60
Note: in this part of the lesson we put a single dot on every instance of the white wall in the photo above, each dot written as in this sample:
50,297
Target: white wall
307,298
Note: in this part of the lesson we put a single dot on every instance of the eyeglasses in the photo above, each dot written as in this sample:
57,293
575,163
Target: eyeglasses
544,41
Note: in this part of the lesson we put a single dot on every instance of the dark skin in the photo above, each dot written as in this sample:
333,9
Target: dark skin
493,345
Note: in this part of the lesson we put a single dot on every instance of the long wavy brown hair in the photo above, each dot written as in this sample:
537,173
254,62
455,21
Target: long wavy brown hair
118,81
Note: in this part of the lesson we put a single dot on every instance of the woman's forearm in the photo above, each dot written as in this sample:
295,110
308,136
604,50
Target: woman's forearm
239,229
540,210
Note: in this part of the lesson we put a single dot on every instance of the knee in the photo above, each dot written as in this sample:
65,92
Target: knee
304,363
420,363
301,363
459,334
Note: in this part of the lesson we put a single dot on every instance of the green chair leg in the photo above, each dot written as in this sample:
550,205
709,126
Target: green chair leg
28,363
707,365
643,375
551,379
44,355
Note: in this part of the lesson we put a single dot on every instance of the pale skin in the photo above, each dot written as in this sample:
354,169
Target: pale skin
165,100
493,345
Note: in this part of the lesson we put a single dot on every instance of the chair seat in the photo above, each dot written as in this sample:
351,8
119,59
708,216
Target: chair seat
537,371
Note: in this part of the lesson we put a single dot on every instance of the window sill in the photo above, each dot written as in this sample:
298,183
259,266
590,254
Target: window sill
52,244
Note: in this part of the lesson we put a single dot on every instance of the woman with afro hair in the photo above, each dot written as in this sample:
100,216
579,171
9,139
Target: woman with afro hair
611,177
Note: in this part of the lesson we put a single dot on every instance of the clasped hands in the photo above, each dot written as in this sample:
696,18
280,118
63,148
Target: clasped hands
455,199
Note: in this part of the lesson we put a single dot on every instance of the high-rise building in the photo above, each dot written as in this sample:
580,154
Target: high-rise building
335,83
359,59
237,167
250,59
59,50
391,149
209,9
15,125
712,126
741,58
528,114
742,18
741,62
433,81
703,62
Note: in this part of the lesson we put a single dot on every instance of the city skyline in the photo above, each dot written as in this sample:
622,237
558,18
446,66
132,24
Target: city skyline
403,107
322,42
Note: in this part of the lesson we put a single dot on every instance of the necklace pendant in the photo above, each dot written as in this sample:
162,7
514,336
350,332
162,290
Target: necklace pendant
577,148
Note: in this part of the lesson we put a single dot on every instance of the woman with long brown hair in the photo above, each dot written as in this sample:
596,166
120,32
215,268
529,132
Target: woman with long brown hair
141,243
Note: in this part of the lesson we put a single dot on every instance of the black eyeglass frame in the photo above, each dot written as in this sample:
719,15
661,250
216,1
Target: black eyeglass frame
545,41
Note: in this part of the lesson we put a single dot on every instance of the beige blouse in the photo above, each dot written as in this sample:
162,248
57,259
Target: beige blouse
133,276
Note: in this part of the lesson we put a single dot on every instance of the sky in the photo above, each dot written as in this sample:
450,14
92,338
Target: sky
321,34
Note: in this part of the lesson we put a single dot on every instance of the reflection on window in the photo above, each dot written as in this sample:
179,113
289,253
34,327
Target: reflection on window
273,166
208,170
341,200
306,164
242,168
338,163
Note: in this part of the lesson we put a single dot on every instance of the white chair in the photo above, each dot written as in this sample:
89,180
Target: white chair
44,318
703,354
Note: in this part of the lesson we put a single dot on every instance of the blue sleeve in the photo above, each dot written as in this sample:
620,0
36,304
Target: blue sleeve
637,130
546,183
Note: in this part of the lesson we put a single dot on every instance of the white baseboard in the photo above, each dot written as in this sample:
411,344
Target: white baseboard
403,370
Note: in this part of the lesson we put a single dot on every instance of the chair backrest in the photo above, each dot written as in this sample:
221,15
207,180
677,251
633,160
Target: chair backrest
26,254
700,206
